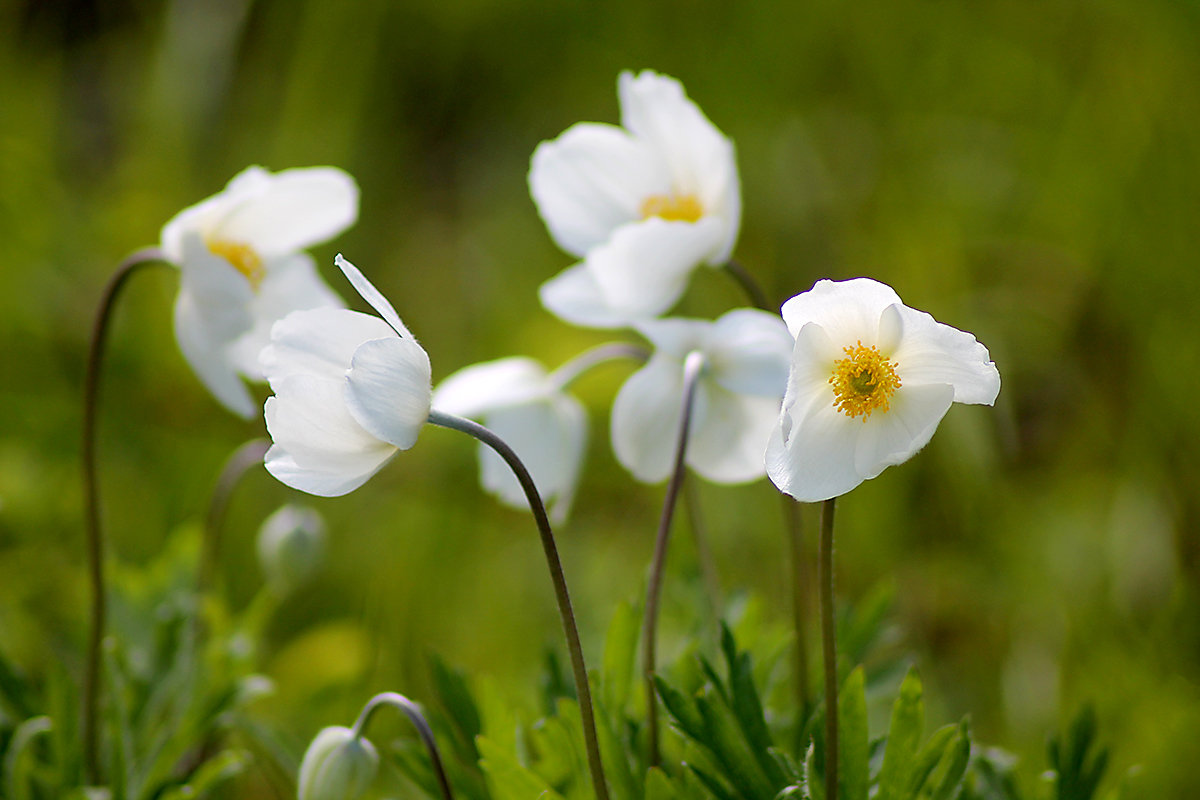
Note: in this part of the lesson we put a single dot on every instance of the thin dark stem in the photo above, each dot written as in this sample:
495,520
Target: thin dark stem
571,371
574,646
829,645
248,455
413,712
799,581
692,367
750,286
91,502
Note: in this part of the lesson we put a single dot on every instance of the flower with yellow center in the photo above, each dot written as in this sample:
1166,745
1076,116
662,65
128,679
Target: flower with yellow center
642,205
242,268
870,380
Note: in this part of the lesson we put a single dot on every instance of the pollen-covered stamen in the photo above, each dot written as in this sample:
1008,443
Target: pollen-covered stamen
673,207
242,257
863,381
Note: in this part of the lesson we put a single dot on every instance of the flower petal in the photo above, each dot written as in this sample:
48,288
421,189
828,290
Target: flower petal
574,296
729,433
591,180
294,209
645,419
372,295
675,336
848,310
388,389
894,436
812,459
320,478
749,351
480,388
210,359
320,342
931,352
201,218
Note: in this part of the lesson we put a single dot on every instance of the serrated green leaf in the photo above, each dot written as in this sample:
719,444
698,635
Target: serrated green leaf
928,757
853,741
685,712
903,738
737,758
508,779
714,786
747,708
956,758
620,649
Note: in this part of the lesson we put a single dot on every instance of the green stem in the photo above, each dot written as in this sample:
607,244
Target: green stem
750,286
413,712
799,580
572,370
692,368
248,455
91,503
829,646
574,646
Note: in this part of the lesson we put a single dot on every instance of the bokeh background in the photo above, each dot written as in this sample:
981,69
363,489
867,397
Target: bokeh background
1026,171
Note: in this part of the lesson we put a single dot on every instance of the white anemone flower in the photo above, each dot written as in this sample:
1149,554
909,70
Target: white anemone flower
870,380
242,268
642,205
745,365
526,407
351,389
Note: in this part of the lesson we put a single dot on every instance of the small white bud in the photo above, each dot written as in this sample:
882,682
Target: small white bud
337,766
291,544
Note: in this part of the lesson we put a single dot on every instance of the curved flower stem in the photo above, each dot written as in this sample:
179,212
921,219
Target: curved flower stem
829,647
692,368
248,455
591,741
750,286
413,712
572,370
91,500
799,581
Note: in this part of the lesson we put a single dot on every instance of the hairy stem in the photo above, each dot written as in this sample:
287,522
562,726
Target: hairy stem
413,712
574,646
91,503
829,646
692,367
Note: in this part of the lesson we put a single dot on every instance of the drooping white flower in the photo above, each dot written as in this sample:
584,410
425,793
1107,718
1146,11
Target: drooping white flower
350,390
642,205
339,764
736,403
870,380
242,268
525,406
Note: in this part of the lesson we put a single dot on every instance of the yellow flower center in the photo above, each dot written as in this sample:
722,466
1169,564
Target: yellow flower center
243,258
863,381
675,208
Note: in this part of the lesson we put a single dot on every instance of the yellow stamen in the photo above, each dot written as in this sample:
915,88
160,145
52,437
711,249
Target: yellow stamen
243,258
863,381
675,208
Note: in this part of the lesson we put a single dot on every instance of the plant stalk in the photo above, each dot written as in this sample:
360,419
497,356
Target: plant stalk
754,292
240,461
829,646
413,712
574,646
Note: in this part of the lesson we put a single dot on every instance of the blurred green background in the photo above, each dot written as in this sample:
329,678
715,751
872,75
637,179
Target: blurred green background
1026,171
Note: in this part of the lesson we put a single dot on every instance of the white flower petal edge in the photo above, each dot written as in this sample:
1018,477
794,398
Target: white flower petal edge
898,371
349,392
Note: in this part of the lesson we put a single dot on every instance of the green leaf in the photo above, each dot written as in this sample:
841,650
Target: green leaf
508,779
454,696
211,774
16,767
733,751
620,648
904,735
621,779
854,744
812,775
658,786
685,712
792,772
928,757
748,708
714,786
955,760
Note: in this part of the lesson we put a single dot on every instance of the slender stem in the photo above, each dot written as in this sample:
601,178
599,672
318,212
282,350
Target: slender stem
708,566
91,501
692,368
825,566
750,286
574,646
571,371
799,580
248,455
413,712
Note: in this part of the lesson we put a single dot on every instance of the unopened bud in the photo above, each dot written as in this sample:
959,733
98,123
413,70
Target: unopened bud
291,544
338,765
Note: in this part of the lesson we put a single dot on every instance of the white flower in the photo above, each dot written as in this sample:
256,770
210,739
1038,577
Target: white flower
350,390
736,403
522,404
338,765
241,268
642,205
870,380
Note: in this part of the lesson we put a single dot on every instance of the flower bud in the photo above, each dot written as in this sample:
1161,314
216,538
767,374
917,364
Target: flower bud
338,765
291,543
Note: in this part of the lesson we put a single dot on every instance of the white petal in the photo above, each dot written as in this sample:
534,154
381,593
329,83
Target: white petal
480,388
810,455
930,352
729,433
643,269
676,336
320,342
749,351
202,217
388,389
848,310
294,209
320,478
292,283
210,359
894,436
590,180
645,419
372,295
574,296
